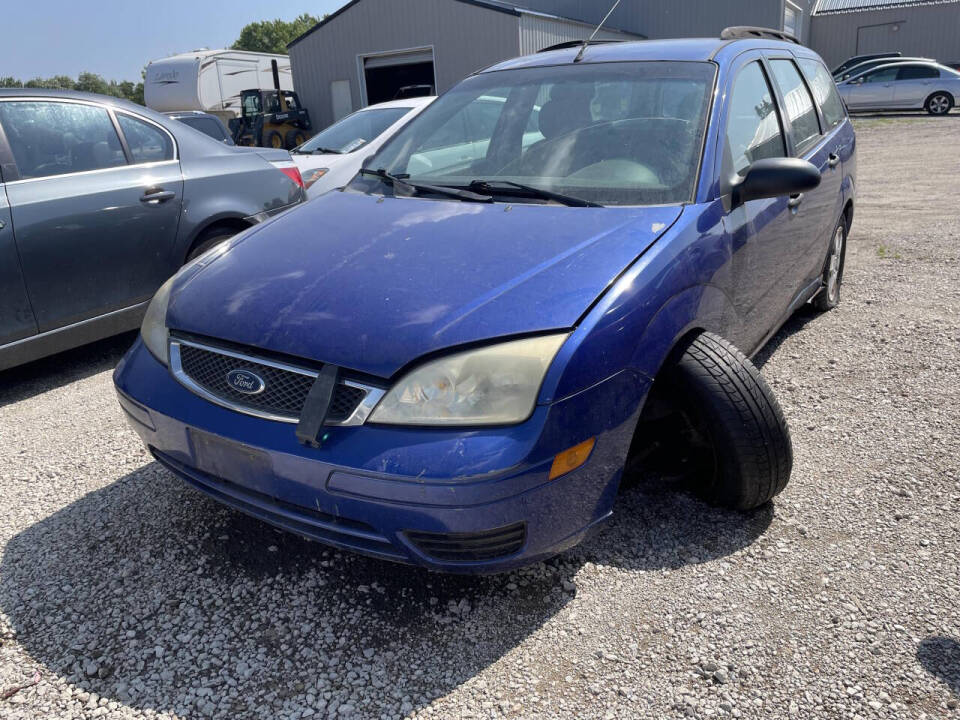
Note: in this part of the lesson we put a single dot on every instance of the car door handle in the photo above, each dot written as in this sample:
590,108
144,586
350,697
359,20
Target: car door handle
794,202
155,196
2,224
833,160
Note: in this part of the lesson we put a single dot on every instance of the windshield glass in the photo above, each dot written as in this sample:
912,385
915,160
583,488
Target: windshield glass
609,133
354,131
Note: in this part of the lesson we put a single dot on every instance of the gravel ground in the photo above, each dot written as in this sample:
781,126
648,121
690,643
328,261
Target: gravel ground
124,594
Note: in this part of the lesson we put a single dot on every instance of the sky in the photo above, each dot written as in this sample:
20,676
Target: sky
117,38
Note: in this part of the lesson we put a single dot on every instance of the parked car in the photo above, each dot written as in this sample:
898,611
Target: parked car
904,86
857,59
861,68
332,157
101,201
452,364
209,125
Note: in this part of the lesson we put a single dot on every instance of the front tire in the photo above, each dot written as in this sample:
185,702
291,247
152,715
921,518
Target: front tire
829,297
939,103
742,450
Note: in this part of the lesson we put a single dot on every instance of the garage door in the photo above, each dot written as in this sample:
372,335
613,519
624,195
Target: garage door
391,75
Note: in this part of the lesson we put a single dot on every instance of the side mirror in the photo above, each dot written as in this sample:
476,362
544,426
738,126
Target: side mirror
774,177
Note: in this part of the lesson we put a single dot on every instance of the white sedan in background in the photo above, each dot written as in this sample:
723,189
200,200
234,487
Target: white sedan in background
332,157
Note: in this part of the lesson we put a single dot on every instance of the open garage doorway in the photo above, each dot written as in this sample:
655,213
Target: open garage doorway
389,76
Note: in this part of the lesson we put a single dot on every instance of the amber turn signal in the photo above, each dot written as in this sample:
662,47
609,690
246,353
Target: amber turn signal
571,458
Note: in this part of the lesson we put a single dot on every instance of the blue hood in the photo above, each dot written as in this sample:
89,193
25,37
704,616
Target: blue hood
372,284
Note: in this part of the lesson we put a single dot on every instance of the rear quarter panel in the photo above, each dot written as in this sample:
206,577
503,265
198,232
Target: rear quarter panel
221,183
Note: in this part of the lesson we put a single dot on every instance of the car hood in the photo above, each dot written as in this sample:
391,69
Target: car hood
372,283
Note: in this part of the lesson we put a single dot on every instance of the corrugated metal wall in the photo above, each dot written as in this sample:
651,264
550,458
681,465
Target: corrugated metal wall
922,30
539,31
675,18
465,38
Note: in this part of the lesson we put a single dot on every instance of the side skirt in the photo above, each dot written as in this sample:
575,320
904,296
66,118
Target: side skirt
71,336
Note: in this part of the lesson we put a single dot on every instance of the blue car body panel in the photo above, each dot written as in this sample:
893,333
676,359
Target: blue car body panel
377,285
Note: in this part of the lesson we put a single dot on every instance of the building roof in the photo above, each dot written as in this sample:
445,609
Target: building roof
825,7
502,6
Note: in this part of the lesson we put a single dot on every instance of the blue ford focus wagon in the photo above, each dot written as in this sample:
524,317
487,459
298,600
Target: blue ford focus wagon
549,281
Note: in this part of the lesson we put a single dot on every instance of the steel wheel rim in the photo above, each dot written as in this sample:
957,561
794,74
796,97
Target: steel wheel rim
939,104
833,272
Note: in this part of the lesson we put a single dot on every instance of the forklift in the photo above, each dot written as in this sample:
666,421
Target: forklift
271,118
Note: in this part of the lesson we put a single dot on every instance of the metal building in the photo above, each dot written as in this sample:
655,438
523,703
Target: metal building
922,28
369,49
686,18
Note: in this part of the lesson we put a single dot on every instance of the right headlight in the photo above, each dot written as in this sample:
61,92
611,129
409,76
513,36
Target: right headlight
154,328
496,385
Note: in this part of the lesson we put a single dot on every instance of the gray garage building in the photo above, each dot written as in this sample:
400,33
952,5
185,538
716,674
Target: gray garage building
368,49
922,28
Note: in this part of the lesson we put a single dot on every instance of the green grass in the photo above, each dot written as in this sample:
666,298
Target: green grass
883,252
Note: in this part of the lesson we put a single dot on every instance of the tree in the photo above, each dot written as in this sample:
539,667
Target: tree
86,82
272,36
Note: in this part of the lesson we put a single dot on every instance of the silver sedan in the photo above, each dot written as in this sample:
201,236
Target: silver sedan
903,86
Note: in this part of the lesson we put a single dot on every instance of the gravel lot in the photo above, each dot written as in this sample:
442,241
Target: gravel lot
124,594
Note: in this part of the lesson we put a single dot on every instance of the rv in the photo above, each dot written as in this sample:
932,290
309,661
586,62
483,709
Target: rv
211,80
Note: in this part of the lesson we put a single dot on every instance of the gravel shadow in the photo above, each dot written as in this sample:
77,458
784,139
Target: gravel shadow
797,322
940,656
39,376
149,593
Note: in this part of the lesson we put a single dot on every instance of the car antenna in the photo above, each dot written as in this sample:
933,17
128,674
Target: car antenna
583,48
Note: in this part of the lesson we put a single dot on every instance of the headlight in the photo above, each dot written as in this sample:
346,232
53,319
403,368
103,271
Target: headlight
154,327
495,385
311,176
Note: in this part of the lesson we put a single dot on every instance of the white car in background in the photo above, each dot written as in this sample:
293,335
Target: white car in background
332,157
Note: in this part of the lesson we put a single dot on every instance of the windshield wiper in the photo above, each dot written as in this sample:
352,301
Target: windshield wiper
325,151
413,186
489,186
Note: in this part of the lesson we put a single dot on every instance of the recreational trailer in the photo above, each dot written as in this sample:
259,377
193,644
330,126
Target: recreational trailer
211,80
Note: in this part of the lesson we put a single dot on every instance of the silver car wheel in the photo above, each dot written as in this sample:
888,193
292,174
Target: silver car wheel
833,272
939,105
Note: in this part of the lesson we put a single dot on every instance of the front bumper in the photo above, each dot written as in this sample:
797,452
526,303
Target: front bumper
466,500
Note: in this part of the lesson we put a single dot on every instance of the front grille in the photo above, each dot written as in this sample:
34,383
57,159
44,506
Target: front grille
285,387
470,547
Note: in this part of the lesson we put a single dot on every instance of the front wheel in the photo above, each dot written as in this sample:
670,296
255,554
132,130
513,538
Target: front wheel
739,439
829,296
939,103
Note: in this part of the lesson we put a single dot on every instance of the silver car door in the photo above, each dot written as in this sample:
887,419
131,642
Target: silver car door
914,85
874,91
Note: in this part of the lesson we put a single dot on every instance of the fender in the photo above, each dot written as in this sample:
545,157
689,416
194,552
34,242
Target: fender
702,307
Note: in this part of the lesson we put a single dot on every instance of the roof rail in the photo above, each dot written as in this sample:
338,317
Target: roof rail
576,43
745,32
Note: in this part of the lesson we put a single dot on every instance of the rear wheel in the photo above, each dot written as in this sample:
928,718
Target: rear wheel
733,438
829,297
209,239
295,138
939,103
273,140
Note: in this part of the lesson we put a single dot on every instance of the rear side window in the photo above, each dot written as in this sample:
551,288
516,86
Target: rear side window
825,92
147,142
917,72
56,138
753,126
208,126
801,113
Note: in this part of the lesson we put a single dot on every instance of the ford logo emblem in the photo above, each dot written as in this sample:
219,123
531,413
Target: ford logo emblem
246,382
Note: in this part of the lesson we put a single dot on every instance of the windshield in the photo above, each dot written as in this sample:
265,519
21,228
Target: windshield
354,131
608,133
